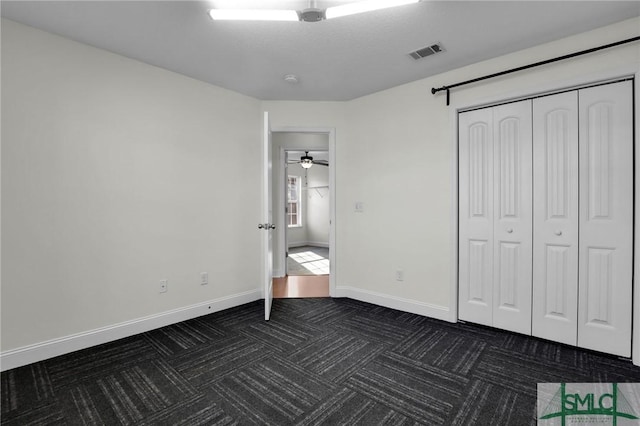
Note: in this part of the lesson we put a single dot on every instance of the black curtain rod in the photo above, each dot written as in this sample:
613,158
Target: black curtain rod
536,64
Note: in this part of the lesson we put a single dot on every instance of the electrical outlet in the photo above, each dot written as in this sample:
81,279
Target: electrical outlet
399,275
359,207
204,278
164,284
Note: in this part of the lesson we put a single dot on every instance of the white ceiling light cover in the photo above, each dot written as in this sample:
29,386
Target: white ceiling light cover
364,6
265,14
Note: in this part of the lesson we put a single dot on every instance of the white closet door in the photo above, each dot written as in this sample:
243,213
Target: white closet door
476,216
606,222
513,216
555,221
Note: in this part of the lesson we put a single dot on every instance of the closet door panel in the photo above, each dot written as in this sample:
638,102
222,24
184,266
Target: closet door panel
555,217
513,217
606,221
476,216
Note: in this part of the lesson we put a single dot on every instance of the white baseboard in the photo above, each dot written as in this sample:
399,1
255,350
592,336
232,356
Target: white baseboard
318,244
40,351
309,243
393,302
278,273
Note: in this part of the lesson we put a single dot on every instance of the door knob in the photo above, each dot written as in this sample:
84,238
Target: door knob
509,230
260,226
558,232
272,226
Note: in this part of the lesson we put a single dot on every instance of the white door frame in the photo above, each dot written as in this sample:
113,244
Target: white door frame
284,227
331,134
549,87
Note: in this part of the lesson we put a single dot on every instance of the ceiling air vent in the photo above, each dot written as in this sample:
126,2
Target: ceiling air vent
426,51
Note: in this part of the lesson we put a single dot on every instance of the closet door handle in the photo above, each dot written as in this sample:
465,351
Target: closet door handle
558,232
509,230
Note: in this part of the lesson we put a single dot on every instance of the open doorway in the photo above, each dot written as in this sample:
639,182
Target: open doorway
307,213
303,203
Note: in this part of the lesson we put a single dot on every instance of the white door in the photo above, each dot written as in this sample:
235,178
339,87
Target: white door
555,217
512,233
606,222
267,219
475,297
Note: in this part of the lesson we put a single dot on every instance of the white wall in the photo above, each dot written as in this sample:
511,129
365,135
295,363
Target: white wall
395,154
317,200
116,174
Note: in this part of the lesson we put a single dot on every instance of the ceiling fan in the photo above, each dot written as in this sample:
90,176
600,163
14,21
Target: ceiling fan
310,14
306,161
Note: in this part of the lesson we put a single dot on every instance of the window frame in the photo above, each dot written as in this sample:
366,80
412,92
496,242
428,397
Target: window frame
297,202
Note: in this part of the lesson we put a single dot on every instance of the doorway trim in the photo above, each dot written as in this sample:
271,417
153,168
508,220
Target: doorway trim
547,88
331,135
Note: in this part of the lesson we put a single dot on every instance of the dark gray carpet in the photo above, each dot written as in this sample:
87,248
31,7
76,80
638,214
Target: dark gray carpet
318,361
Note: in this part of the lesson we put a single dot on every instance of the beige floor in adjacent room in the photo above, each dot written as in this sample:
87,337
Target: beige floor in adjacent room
301,286
308,260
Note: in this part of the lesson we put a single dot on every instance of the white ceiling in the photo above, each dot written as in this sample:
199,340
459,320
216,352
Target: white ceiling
335,60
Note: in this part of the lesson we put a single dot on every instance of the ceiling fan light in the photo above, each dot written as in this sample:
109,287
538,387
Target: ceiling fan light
253,15
363,6
306,162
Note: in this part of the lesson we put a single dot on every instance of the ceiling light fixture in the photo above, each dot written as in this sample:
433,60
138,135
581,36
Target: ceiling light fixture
364,6
253,15
305,161
291,78
311,14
